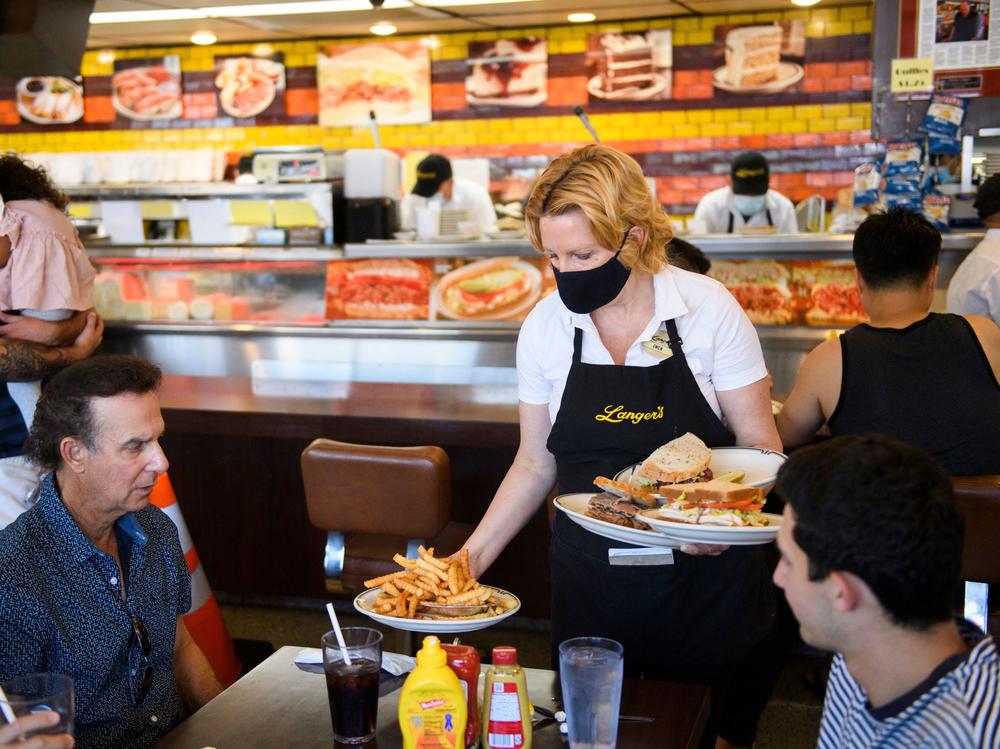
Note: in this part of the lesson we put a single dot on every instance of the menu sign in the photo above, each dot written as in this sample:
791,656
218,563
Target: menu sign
147,89
250,86
49,100
759,59
507,73
393,79
630,67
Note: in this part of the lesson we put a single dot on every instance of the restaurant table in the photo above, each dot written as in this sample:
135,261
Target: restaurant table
279,705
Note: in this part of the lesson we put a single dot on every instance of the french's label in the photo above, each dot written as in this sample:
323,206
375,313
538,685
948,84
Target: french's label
619,415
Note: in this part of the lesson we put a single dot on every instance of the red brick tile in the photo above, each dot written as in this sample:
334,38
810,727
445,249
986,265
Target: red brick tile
836,138
807,140
299,101
861,82
856,67
821,70
780,140
837,83
860,136
812,85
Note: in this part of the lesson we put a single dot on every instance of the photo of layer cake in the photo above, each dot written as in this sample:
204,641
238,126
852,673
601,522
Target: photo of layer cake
629,67
753,59
507,73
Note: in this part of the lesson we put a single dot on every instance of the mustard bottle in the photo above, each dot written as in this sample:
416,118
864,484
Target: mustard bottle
506,712
432,705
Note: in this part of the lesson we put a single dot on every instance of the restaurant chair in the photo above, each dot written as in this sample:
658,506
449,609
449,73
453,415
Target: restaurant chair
978,498
375,502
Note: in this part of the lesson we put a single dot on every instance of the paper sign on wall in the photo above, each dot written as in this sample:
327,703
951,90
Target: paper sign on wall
912,74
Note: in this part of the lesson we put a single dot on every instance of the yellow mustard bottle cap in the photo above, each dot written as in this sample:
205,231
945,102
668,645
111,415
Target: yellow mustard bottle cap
431,654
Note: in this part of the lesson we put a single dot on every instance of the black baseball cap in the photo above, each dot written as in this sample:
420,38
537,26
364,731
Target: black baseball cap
988,197
750,173
431,172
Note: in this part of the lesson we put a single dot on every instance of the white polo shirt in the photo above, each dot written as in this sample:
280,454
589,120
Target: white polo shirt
975,287
711,215
465,194
719,341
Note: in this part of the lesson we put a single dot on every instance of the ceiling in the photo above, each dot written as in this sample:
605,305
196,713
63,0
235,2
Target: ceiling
413,20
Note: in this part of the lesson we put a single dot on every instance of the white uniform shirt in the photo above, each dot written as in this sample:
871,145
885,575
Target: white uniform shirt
465,194
975,287
718,339
713,212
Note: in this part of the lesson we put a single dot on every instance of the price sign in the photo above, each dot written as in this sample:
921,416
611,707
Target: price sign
913,74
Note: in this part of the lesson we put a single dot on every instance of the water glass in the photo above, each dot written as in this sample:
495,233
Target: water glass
35,693
591,670
353,689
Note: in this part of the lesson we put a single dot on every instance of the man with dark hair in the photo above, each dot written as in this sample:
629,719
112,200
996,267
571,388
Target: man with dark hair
871,549
922,377
437,187
967,25
93,582
24,361
685,255
747,203
975,287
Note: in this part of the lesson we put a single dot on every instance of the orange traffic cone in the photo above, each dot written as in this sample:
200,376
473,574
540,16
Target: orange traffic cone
204,620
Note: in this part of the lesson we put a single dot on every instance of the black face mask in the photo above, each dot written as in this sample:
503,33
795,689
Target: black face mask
584,291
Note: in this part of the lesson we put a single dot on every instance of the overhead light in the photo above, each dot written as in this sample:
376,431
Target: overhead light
383,28
203,38
241,11
580,17
431,42
804,3
106,56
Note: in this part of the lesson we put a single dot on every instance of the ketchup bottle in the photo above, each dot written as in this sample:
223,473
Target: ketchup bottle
464,661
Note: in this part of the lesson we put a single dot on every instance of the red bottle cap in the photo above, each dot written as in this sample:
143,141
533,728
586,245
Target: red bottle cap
505,655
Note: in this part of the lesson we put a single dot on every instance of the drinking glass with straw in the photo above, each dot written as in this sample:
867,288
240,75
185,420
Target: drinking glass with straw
352,659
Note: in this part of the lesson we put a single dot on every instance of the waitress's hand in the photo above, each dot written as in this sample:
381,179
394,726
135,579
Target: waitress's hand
703,550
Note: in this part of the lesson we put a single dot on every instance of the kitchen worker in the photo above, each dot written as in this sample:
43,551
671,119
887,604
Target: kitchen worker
435,186
700,616
747,203
975,287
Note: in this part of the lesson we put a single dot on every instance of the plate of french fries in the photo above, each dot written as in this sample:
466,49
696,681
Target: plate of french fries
434,595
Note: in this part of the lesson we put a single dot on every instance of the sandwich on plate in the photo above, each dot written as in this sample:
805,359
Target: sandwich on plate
683,459
612,508
713,502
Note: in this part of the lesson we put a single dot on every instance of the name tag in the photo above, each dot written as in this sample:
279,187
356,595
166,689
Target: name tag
641,557
658,346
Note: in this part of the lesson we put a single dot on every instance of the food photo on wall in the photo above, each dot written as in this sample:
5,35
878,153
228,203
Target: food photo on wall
393,79
49,99
249,86
147,89
759,59
630,66
501,288
507,73
378,289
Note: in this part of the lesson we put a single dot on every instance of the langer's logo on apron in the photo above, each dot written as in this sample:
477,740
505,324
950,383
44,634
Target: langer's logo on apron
618,414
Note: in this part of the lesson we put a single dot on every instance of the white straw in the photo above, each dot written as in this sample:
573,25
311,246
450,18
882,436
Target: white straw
8,711
338,633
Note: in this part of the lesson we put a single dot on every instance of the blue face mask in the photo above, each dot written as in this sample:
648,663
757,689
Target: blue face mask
748,205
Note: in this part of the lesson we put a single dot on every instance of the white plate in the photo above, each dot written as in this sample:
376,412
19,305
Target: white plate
575,507
714,534
628,94
364,601
175,111
761,466
788,74
72,112
507,234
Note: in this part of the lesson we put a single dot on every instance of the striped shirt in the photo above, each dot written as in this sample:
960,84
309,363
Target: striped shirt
954,708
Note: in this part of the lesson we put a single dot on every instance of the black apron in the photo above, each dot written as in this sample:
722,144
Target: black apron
698,613
767,212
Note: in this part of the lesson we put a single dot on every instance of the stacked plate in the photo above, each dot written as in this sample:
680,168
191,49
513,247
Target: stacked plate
992,163
451,218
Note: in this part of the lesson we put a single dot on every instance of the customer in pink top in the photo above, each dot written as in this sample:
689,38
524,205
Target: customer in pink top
46,288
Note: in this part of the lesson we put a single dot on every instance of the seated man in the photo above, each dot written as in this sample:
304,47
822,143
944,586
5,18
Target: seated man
875,588
92,579
918,376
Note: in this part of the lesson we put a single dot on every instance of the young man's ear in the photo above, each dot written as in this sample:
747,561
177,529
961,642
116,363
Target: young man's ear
859,280
73,452
845,591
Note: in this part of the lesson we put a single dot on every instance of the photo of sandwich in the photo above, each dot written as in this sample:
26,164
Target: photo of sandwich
503,288
49,100
828,293
147,89
763,58
507,73
393,79
378,289
760,286
248,86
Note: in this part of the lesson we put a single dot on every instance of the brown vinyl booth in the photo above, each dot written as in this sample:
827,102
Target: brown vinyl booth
978,498
375,502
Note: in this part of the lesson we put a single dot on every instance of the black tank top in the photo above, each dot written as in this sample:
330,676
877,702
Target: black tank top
929,384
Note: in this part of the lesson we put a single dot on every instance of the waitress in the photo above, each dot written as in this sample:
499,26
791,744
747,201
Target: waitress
579,356
746,203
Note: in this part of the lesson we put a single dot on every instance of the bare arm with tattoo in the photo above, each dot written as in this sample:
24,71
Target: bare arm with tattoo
22,360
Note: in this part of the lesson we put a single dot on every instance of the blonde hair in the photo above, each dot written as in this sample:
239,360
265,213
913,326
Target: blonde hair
607,186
